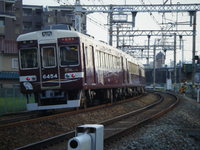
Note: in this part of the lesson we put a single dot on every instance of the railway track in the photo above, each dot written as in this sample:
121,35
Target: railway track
37,116
115,126
8,119
17,117
133,119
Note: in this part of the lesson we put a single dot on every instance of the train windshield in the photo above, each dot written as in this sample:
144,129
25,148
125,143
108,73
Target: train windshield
29,58
69,55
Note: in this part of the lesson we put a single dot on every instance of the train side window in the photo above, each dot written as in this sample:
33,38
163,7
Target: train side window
106,60
98,59
115,62
112,62
137,70
109,61
143,73
118,63
86,55
132,68
101,60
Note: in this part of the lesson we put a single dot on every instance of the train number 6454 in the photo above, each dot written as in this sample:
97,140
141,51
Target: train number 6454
50,76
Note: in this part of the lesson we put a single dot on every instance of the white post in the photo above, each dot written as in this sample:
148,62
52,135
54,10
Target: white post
198,95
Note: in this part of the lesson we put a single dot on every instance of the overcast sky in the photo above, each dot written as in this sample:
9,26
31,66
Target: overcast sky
143,21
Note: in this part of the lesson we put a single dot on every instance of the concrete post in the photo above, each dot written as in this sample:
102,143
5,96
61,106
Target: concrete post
175,62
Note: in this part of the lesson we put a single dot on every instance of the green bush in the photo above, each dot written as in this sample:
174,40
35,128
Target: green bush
13,104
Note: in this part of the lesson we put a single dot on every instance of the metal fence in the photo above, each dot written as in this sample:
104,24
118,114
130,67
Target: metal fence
11,100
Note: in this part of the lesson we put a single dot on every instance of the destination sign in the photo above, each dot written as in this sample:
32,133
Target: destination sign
46,33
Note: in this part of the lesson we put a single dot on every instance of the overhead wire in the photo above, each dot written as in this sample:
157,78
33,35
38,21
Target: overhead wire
155,20
94,21
61,2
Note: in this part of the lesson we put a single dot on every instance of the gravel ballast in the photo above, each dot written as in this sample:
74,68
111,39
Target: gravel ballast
18,136
171,132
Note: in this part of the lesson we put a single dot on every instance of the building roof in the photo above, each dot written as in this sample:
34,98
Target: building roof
160,55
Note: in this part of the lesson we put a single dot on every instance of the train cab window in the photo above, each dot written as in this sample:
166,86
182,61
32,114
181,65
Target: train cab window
49,59
69,55
28,58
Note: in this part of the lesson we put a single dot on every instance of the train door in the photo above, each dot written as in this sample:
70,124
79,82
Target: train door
123,69
127,72
84,61
49,66
126,75
93,65
89,65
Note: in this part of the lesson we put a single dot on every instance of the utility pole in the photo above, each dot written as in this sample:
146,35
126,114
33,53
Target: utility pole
78,20
117,36
175,62
111,25
154,65
182,52
142,53
149,36
193,48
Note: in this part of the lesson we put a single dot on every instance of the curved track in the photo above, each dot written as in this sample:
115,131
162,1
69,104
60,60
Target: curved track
36,116
117,125
133,119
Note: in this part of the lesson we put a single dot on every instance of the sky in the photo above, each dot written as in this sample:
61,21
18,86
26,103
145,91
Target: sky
144,21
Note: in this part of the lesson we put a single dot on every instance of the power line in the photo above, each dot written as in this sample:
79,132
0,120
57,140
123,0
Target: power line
92,20
155,20
61,2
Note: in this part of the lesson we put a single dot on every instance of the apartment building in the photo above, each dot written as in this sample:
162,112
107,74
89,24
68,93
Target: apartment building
32,18
10,28
37,17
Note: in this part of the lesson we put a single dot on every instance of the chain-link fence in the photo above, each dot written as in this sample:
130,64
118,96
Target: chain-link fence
11,100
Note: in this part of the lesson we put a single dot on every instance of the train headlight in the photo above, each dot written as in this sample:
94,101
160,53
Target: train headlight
73,75
28,85
28,78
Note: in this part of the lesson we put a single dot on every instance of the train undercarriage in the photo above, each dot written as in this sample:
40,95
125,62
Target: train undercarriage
55,99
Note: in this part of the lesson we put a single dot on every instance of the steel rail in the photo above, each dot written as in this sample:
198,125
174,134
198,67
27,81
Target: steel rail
17,119
153,117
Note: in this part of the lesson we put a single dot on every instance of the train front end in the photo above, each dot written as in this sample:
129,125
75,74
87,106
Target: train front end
50,69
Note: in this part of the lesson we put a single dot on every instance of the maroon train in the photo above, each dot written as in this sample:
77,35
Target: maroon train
65,69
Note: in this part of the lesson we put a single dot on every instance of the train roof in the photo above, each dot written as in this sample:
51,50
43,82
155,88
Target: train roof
46,35
52,35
